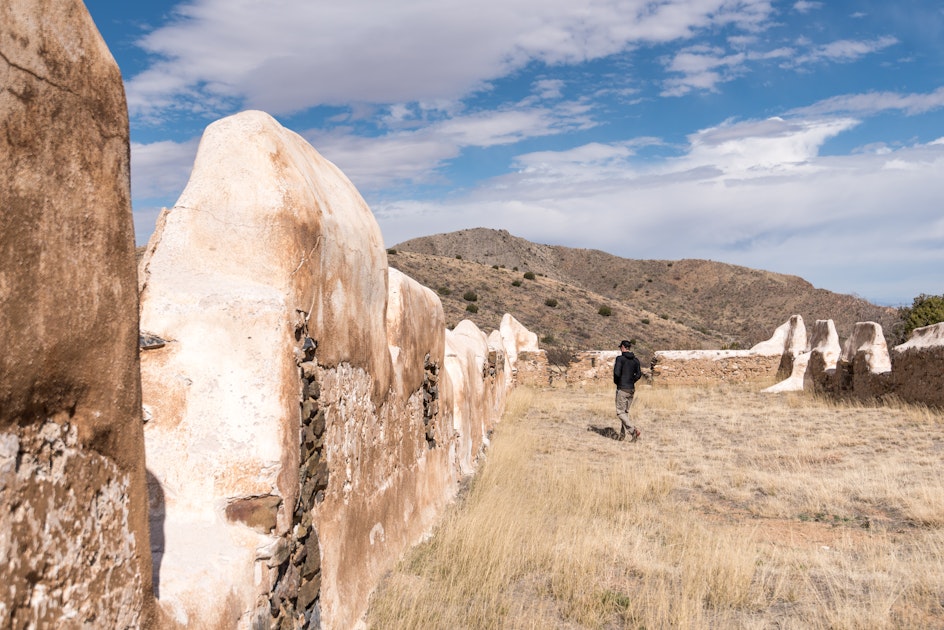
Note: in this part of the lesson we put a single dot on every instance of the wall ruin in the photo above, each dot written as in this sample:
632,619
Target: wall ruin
763,361
308,400
73,527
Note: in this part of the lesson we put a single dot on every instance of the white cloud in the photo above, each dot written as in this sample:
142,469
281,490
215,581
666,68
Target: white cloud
804,6
414,156
844,51
874,102
286,56
160,169
857,223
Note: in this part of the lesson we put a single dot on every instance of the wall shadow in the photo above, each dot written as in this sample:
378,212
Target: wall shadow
156,523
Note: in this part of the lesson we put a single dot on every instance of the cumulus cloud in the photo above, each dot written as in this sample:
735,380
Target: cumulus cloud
863,216
287,56
414,156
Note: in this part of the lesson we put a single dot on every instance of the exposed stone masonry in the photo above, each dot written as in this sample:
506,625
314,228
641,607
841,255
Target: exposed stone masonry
83,570
294,600
430,399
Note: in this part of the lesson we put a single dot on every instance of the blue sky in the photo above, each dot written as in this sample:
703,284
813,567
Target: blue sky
799,137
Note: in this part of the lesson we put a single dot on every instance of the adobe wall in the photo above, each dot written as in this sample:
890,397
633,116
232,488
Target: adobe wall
73,513
764,361
864,369
918,367
308,413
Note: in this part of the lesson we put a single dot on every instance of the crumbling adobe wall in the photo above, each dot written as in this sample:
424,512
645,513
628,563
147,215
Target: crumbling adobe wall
308,413
763,361
863,369
589,366
918,367
680,367
73,511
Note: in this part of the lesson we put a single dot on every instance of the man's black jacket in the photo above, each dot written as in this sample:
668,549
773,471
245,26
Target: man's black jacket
626,371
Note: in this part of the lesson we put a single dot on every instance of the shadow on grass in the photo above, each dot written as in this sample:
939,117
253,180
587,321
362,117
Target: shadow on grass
607,432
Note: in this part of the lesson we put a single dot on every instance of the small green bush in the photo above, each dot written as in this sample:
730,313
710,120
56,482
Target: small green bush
470,296
494,266
550,302
516,283
645,320
472,308
925,310
605,311
391,251
548,339
458,257
444,291
664,316
529,275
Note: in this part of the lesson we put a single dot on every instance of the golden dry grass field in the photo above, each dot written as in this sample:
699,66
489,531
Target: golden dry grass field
735,509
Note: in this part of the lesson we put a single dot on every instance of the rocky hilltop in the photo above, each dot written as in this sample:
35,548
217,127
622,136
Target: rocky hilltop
678,304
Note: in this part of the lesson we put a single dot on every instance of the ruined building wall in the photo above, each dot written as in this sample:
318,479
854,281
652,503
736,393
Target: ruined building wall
765,360
73,528
918,367
308,413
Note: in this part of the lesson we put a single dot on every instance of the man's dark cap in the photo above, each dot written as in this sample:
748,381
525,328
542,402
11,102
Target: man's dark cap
626,344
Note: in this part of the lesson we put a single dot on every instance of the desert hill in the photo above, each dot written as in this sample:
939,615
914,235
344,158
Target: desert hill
663,304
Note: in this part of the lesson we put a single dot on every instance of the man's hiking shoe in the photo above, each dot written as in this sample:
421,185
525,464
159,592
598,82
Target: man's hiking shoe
634,435
622,436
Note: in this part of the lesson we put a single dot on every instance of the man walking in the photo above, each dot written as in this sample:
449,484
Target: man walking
626,372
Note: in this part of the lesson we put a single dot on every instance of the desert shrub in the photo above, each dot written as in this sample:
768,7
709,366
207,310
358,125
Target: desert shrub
516,283
648,279
458,257
645,320
663,316
391,251
494,266
550,302
444,291
548,339
472,308
605,311
925,310
529,275
470,296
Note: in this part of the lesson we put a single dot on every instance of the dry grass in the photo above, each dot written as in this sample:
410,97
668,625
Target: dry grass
734,510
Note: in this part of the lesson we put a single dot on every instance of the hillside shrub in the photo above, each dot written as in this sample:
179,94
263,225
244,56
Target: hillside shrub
472,308
548,339
605,311
458,257
494,266
645,320
444,291
516,283
391,251
550,302
470,296
529,275
925,310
